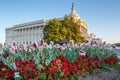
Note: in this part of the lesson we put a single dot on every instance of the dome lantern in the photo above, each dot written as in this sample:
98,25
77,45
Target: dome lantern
73,13
73,8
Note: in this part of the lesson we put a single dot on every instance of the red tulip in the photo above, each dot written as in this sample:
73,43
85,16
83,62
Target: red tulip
35,45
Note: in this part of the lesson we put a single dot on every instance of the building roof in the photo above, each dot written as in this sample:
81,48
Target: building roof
73,13
84,24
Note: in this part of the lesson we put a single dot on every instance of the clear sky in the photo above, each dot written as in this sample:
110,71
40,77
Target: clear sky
102,16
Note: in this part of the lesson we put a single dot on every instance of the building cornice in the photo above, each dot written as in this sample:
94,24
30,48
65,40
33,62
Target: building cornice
27,24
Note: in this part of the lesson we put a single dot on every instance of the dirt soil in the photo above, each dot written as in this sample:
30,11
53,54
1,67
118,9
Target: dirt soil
104,75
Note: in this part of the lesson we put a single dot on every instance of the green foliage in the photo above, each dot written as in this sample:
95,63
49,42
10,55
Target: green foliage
6,51
37,60
95,71
42,76
72,54
9,61
50,54
2,79
117,44
119,63
22,55
101,53
107,67
66,29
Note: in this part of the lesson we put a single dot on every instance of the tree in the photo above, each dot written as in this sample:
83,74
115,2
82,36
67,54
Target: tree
117,44
66,29
51,31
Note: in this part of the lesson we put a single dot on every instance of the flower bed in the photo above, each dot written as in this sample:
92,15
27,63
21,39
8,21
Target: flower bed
55,64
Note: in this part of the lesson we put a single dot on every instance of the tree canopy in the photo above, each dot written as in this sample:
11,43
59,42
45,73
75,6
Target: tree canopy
117,44
66,29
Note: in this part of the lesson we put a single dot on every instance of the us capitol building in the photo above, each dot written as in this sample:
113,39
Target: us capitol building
33,31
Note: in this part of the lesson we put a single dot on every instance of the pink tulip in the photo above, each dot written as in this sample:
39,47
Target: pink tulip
82,53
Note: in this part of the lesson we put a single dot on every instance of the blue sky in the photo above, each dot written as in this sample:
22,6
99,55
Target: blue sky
102,16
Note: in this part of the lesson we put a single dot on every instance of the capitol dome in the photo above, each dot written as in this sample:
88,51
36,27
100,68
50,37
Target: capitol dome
73,13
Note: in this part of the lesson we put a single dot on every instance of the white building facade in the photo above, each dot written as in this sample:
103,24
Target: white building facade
33,31
26,32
